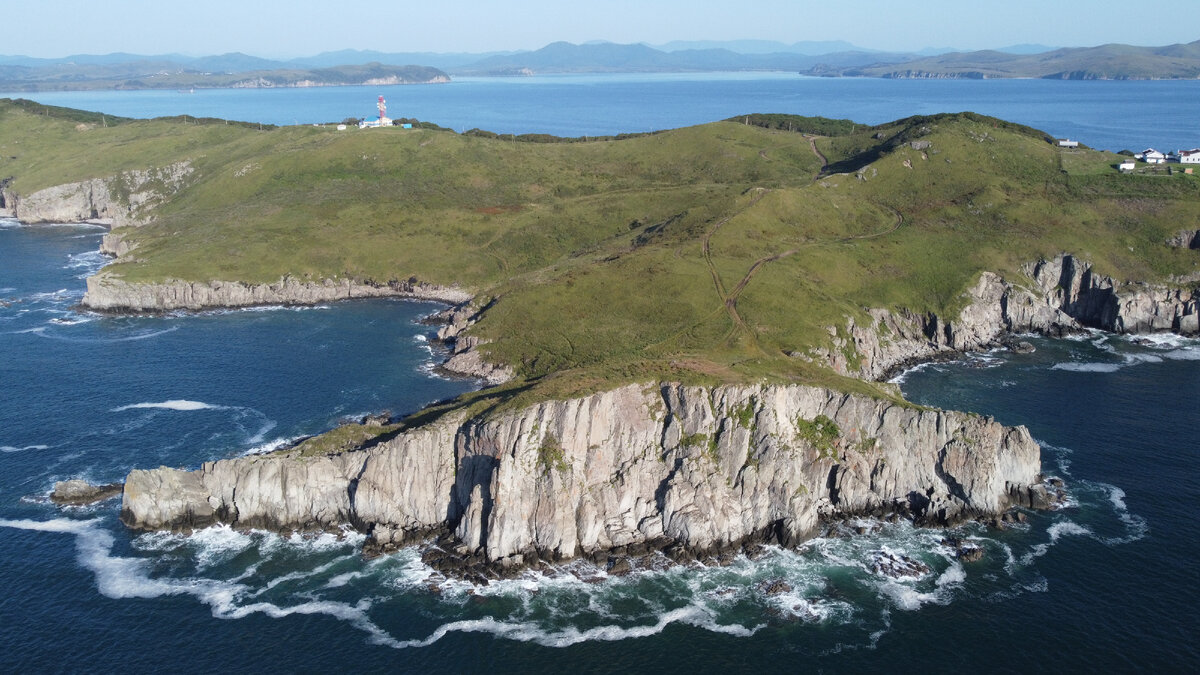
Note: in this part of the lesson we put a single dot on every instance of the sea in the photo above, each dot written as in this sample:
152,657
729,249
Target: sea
1109,582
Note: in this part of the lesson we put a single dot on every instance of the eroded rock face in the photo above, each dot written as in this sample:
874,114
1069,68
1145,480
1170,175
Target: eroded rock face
645,466
1058,297
110,293
124,200
1185,239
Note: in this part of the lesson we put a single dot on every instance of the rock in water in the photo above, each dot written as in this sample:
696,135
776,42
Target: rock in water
896,566
78,492
690,471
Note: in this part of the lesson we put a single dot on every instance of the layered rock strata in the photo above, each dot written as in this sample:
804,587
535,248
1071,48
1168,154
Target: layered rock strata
124,200
642,466
109,293
1056,297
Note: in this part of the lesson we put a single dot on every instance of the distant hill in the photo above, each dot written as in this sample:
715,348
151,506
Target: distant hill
808,48
564,57
1106,62
442,60
167,75
830,59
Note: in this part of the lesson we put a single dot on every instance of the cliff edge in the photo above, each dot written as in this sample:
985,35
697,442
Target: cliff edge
667,467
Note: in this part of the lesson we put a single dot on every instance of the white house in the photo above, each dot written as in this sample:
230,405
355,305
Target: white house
1152,156
1067,143
1189,156
1127,165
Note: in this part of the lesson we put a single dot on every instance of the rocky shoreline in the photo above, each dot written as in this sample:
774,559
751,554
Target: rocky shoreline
666,470
1057,297
689,471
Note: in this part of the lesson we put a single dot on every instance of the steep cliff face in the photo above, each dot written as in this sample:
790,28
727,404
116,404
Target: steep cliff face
121,201
1057,297
110,293
654,466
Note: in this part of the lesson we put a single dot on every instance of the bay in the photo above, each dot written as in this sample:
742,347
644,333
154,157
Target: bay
1109,115
1107,583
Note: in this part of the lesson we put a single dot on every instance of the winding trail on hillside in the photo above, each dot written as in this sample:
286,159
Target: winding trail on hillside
706,243
812,143
732,298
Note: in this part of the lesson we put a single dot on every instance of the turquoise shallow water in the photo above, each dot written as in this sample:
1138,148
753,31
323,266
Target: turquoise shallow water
1108,582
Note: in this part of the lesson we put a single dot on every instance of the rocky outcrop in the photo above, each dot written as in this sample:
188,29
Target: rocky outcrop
123,200
1057,297
1185,239
78,492
465,357
106,292
7,199
642,466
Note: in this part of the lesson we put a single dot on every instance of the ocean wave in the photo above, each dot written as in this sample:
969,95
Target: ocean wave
73,321
41,331
1162,340
902,376
827,581
88,261
1183,354
270,446
13,448
175,404
1079,367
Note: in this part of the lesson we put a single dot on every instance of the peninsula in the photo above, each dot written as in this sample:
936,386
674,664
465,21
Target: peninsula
687,332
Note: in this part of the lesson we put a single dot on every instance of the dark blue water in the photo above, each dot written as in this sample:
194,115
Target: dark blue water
1108,583
1107,115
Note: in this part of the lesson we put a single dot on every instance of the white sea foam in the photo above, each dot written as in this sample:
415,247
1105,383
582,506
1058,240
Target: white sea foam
1183,354
1162,340
1078,367
145,335
903,375
174,404
262,432
564,606
1056,531
75,320
13,448
270,446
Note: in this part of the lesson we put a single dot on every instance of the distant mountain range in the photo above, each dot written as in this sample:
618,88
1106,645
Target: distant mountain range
165,74
830,59
1106,62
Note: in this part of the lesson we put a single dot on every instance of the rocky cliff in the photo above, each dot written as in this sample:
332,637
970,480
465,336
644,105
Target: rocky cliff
106,292
1055,297
643,466
123,200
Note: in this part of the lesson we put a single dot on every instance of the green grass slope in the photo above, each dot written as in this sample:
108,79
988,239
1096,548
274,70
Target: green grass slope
708,253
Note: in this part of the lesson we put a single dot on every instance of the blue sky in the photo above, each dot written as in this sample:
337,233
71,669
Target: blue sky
304,27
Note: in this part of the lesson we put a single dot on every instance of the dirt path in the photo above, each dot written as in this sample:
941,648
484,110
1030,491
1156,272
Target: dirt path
812,143
706,243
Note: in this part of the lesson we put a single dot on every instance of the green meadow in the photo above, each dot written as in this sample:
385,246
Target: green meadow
711,253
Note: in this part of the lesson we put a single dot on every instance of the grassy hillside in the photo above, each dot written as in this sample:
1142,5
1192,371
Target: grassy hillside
705,253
